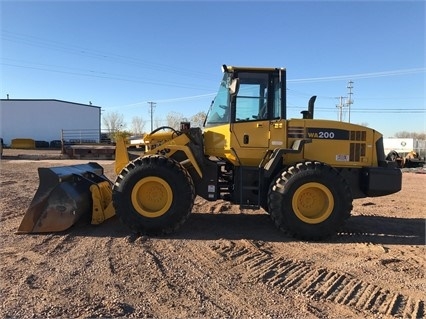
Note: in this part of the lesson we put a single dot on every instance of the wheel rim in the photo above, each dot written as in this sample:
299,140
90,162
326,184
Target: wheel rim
313,203
152,197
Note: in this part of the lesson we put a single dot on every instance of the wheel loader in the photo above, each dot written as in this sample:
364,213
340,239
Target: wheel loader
303,172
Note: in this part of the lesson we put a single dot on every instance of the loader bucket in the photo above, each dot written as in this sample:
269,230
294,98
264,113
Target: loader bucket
62,197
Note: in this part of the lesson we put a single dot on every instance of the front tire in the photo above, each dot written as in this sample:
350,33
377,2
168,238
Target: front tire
153,195
309,201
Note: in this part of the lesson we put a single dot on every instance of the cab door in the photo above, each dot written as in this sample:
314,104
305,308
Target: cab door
251,134
250,125
249,119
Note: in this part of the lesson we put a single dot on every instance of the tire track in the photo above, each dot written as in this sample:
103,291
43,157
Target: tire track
196,275
7,215
319,283
58,244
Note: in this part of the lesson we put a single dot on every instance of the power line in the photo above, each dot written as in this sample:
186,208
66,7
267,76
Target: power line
377,111
78,50
366,110
105,75
176,99
361,75
99,55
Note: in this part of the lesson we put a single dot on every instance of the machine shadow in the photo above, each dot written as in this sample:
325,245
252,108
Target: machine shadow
373,229
209,226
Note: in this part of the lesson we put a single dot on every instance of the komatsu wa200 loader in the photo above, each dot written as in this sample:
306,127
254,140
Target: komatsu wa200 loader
304,172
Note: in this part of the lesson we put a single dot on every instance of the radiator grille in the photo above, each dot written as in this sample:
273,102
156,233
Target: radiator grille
296,132
357,150
358,136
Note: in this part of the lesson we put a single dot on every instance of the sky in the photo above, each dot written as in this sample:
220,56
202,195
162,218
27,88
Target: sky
122,55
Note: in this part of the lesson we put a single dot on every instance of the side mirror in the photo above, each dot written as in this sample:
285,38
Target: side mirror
234,86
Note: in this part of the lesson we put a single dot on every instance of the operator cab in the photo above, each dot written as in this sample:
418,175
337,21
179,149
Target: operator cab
247,95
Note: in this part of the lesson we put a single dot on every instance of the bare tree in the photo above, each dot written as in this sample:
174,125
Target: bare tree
415,135
197,120
174,119
113,121
138,125
157,122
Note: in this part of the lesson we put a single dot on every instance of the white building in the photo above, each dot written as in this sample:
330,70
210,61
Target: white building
44,120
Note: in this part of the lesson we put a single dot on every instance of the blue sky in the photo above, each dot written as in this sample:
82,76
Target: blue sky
120,55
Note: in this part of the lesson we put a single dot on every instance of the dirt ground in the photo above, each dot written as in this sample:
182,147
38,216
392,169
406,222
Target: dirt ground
223,263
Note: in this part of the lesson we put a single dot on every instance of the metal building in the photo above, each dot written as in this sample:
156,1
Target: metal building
45,120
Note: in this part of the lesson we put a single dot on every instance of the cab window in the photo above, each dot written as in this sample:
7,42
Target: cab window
219,111
251,103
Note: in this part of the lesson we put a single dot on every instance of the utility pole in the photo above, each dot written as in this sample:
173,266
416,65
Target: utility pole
151,111
349,101
340,107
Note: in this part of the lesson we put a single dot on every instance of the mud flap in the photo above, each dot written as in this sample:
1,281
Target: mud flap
62,198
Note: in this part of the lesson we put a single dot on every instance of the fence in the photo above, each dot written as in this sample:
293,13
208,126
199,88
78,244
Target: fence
420,148
87,136
89,143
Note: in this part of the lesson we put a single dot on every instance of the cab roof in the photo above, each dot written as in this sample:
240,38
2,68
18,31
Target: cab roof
229,69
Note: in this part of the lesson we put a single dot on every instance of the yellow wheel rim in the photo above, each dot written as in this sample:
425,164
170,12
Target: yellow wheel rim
313,203
152,197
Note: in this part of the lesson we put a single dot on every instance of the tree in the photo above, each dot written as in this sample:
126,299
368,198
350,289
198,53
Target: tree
138,125
174,119
157,122
415,135
113,122
197,120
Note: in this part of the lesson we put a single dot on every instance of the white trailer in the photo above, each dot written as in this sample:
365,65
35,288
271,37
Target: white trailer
399,145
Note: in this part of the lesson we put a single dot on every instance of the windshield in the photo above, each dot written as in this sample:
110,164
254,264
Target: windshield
219,111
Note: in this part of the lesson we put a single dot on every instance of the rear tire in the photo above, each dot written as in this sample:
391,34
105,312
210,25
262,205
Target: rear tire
309,201
153,195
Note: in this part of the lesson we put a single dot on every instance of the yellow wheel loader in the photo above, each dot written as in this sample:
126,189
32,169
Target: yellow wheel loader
303,172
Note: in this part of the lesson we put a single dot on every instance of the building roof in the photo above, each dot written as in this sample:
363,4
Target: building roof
50,100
